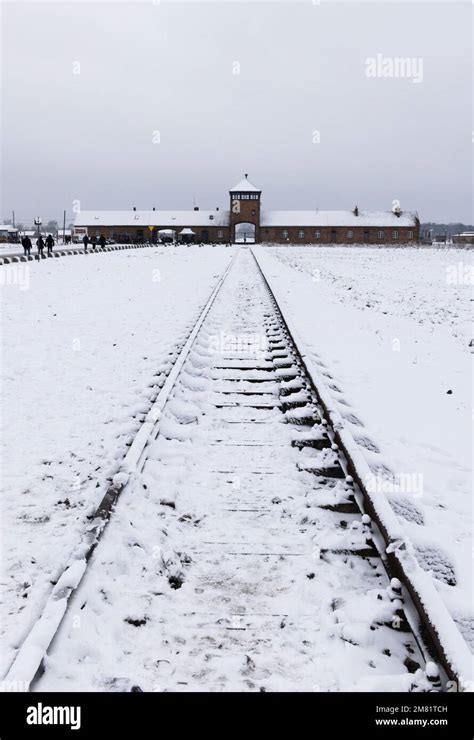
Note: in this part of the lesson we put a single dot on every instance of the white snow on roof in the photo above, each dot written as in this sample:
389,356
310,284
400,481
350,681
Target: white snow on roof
152,218
244,186
221,218
7,227
336,218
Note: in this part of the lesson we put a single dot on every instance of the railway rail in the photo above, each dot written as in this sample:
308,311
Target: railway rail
273,567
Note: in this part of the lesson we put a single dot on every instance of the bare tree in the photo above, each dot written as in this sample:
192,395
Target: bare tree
51,226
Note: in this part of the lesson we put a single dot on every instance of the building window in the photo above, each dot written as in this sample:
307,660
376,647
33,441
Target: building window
350,234
254,196
410,234
301,234
380,235
284,234
235,196
317,235
245,197
394,234
220,234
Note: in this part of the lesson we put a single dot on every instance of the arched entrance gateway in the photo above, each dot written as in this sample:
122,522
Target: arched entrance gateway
244,233
245,212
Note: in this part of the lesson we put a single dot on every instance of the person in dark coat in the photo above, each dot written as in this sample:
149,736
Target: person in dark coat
102,241
26,242
50,243
85,241
40,245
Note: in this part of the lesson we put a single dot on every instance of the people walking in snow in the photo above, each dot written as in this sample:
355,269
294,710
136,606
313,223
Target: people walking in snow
50,244
40,246
102,241
26,244
85,241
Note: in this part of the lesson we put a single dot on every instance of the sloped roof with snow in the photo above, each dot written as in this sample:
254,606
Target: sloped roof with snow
152,218
245,186
337,218
173,219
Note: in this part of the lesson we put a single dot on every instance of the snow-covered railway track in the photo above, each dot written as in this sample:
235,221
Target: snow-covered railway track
240,554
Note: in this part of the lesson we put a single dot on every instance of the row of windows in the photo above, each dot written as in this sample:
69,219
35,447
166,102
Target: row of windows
245,196
140,234
349,234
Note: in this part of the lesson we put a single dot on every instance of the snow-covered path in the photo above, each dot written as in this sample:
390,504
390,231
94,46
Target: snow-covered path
236,560
85,343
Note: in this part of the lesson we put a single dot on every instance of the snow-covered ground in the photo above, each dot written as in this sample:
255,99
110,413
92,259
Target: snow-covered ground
221,569
392,329
83,339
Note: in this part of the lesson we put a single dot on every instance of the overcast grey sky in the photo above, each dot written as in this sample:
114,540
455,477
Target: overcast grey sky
276,89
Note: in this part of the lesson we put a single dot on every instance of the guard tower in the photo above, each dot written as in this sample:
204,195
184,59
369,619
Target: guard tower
245,212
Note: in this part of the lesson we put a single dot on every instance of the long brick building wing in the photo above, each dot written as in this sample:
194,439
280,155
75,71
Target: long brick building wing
245,221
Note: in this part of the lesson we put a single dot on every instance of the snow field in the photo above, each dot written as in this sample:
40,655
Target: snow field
390,331
83,347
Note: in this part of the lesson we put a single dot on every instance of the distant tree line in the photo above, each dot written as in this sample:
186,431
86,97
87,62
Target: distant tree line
51,227
449,229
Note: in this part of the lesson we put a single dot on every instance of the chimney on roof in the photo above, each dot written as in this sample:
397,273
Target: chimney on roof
397,211
134,208
154,208
196,208
217,208
246,175
356,211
